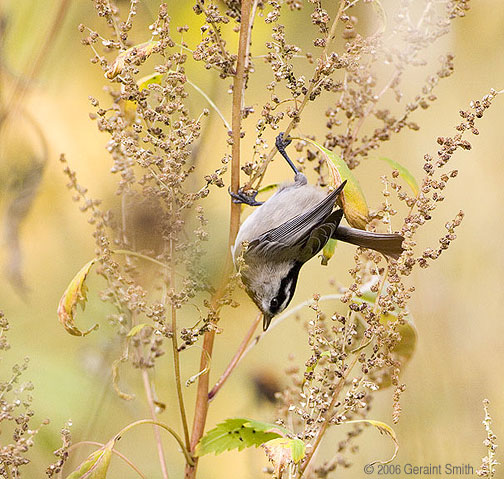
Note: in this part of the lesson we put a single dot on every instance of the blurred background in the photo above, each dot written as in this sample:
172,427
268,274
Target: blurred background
458,305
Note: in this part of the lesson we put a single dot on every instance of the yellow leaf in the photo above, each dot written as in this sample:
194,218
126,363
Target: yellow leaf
95,466
130,106
138,52
284,451
383,428
328,251
353,201
75,294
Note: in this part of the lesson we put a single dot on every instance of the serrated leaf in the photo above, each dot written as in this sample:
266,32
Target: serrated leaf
95,466
140,52
352,197
238,433
328,251
383,428
74,295
136,329
404,174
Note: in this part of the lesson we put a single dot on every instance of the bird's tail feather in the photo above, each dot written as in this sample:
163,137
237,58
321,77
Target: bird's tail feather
388,244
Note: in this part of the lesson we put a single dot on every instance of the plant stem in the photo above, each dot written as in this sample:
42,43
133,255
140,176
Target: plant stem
201,408
157,435
325,424
188,457
236,358
341,382
262,169
176,357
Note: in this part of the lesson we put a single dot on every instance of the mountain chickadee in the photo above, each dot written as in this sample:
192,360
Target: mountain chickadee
289,229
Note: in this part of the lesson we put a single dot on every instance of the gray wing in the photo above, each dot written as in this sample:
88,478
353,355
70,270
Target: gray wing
308,230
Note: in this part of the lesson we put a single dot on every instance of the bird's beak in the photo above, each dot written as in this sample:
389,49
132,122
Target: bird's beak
266,321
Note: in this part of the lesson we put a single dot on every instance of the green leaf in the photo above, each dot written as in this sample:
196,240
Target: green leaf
309,369
136,329
298,450
266,188
383,428
404,174
328,251
75,294
238,433
352,197
283,451
95,466
153,78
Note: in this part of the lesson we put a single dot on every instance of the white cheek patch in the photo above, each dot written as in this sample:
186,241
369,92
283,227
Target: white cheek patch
287,295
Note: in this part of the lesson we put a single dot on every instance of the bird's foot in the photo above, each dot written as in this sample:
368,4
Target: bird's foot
248,198
281,143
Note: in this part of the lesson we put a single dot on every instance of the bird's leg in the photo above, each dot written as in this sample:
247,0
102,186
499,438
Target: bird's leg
247,198
281,143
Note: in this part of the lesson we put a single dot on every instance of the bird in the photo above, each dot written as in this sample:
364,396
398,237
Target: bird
289,229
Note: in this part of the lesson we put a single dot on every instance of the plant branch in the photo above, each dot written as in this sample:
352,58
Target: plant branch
157,436
176,353
262,169
186,453
239,83
341,382
236,358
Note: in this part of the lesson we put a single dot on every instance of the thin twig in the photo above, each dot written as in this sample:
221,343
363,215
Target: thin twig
236,358
157,435
201,408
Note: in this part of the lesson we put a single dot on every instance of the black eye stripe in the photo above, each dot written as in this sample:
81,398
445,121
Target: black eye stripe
286,290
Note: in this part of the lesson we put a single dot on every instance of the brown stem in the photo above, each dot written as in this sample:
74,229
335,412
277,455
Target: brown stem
157,435
201,408
236,358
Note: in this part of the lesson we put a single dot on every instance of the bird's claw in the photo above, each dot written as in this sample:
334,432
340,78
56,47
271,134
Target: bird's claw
246,198
281,143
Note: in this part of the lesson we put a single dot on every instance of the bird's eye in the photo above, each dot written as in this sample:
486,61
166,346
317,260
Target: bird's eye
274,303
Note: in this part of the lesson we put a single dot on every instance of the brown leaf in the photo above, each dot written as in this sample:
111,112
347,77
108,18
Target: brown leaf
75,294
